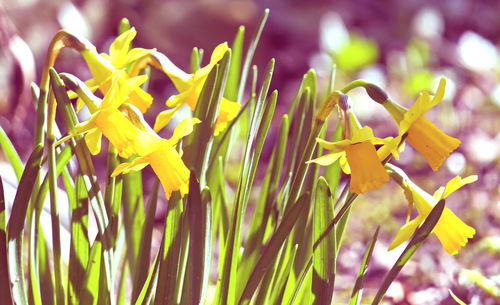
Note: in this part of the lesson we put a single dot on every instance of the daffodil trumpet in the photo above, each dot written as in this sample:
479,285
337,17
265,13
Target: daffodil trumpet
451,231
432,143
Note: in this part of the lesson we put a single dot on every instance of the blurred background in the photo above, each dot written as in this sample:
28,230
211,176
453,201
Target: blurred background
402,46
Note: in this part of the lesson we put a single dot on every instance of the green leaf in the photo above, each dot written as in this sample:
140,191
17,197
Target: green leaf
324,258
259,126
145,242
169,258
235,65
133,216
11,154
199,213
80,245
86,167
268,256
277,288
4,276
249,55
15,225
263,209
90,293
357,291
415,242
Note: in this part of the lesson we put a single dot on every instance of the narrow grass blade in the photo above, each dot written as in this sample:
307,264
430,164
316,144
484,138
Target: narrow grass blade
4,276
415,242
263,208
133,216
249,55
198,211
195,61
235,67
145,246
257,133
16,222
324,258
54,206
268,256
357,291
87,169
279,282
146,294
169,259
91,282
11,154
80,245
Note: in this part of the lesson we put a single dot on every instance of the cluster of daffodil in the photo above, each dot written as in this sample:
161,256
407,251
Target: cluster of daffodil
363,156
118,116
359,157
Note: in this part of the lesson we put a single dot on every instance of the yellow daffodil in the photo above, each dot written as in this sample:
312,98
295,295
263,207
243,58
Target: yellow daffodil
107,119
359,158
451,231
189,87
433,144
165,161
103,66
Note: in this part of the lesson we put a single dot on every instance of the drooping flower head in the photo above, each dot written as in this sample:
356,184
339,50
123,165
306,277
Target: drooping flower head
451,231
160,153
432,143
125,128
106,118
359,157
190,86
103,66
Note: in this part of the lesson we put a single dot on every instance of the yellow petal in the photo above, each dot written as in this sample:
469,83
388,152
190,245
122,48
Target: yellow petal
344,165
120,47
227,112
136,165
164,117
422,105
433,144
118,130
140,99
100,67
218,53
367,173
135,54
454,184
93,141
183,129
327,159
186,97
405,232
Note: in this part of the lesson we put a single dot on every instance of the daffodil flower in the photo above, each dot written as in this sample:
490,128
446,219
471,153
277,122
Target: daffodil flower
451,231
103,66
164,159
432,143
359,158
107,119
189,87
